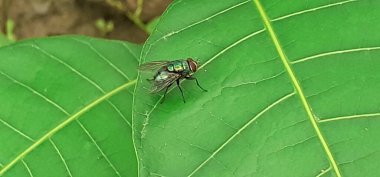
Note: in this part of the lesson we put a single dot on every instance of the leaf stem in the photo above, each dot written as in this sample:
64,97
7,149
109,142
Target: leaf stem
137,21
134,17
139,8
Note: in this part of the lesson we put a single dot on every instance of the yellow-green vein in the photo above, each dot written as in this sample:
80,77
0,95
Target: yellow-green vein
297,86
63,124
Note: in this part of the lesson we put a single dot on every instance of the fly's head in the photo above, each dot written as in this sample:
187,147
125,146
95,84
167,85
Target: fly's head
192,64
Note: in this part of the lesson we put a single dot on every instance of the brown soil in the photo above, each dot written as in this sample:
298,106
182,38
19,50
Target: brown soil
39,18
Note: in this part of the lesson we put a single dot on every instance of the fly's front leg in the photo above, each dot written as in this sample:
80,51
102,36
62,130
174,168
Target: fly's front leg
196,80
180,89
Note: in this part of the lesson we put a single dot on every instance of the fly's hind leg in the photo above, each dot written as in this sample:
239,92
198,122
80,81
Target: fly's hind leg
180,89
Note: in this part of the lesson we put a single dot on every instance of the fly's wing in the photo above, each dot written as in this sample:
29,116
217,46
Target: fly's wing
152,66
158,85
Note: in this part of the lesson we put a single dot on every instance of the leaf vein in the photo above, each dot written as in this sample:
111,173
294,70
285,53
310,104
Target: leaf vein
61,157
64,123
102,57
201,21
231,46
98,147
130,50
83,77
191,25
349,117
17,130
335,53
313,9
258,81
241,129
297,86
27,168
34,92
323,172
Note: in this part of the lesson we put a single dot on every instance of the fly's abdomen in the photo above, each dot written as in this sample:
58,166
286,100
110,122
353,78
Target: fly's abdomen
161,76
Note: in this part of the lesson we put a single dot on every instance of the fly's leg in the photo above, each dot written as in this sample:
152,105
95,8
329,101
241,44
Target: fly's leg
180,89
166,91
196,80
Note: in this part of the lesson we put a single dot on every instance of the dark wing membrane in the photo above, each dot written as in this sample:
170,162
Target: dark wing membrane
152,66
158,85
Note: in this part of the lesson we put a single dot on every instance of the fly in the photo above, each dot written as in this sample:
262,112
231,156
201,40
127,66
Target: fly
169,72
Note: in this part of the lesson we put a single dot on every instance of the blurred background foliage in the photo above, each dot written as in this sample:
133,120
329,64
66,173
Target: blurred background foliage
130,20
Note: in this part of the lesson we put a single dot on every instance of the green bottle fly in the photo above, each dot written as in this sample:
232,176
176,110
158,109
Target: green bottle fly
170,72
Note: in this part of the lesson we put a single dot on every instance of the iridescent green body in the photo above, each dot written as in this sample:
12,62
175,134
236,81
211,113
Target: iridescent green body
178,66
170,72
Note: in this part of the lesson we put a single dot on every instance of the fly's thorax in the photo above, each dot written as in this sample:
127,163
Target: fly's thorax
186,67
179,66
170,68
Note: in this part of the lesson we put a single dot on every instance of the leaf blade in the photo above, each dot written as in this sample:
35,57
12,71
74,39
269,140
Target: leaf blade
101,142
189,134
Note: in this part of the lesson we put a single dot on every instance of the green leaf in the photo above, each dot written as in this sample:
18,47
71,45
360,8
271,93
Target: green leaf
152,25
293,90
65,107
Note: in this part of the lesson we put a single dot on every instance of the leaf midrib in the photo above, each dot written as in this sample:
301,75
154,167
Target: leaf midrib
65,123
296,85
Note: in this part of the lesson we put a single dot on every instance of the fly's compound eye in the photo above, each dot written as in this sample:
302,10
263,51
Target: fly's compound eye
193,64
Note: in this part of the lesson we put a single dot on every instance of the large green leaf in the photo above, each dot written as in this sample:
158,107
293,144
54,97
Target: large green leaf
293,90
66,107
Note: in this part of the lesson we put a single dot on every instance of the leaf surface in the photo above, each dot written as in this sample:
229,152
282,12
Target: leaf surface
292,90
66,107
